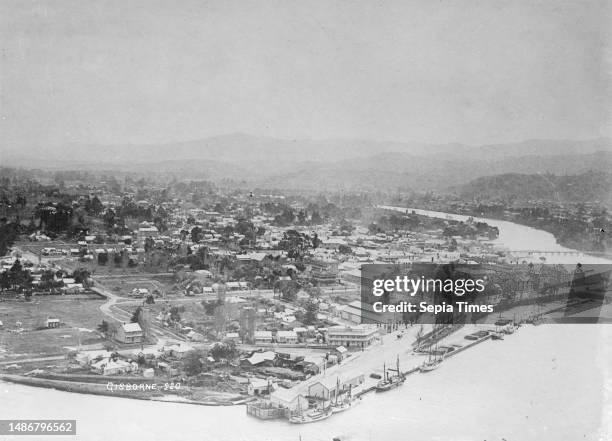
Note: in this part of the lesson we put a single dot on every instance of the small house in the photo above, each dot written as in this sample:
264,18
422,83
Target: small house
263,337
325,388
232,336
140,292
341,352
72,288
178,351
287,337
130,333
258,386
53,323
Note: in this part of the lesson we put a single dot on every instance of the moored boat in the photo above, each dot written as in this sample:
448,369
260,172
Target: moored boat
430,365
433,362
345,405
390,382
311,417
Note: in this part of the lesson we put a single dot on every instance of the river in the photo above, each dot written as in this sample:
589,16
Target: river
549,382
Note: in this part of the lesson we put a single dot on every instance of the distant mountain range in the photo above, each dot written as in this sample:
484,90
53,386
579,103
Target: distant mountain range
332,164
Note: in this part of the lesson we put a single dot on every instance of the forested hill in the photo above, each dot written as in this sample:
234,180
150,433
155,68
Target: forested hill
589,186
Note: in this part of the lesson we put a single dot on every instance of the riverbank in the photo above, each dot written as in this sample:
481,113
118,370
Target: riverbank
542,383
514,236
577,241
123,387
141,388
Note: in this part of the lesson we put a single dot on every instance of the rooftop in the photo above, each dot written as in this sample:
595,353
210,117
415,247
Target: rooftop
131,327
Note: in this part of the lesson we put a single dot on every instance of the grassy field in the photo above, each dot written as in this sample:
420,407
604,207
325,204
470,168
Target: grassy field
79,318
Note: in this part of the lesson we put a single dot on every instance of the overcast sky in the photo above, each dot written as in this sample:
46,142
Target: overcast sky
115,72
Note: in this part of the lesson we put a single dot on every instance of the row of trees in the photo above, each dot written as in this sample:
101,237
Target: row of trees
9,232
17,278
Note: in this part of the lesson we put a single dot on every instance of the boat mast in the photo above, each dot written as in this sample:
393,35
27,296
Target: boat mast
337,389
398,369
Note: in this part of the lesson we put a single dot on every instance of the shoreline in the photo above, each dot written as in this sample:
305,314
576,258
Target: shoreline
577,247
92,388
100,388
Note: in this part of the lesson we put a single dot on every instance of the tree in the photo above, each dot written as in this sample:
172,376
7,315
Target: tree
316,218
315,241
209,306
109,218
47,276
285,218
192,363
5,281
19,278
103,327
312,309
295,243
175,316
55,217
8,235
225,350
149,244
344,249
136,316
96,206
289,291
196,234
81,275
102,258
118,259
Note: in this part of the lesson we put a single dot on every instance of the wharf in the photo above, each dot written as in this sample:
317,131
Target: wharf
416,369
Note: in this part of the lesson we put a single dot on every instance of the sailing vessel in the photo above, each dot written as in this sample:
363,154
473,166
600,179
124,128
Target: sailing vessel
310,417
390,382
346,403
432,362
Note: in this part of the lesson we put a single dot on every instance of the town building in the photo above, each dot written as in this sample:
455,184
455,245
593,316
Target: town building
263,337
360,312
258,386
130,333
288,337
328,388
351,337
53,323
145,231
289,399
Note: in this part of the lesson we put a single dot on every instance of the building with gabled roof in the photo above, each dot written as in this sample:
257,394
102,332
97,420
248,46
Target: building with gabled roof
130,333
